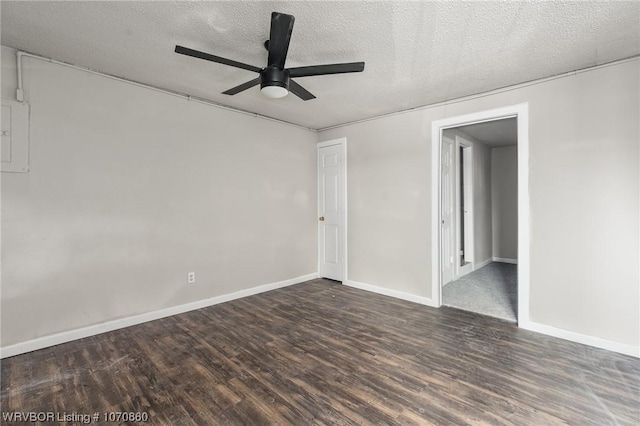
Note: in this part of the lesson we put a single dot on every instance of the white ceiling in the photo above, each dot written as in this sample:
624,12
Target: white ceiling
494,133
416,53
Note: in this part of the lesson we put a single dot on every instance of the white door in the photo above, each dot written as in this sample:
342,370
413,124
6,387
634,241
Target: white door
446,213
331,209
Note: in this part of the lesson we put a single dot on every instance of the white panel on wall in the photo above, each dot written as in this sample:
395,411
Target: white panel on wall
15,136
5,154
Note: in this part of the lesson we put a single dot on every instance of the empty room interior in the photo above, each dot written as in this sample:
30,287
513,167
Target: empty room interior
310,212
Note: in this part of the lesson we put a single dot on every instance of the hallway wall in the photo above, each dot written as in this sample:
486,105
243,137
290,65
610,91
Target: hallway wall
504,202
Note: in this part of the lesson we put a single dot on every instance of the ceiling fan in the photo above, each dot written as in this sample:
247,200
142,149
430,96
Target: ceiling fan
275,80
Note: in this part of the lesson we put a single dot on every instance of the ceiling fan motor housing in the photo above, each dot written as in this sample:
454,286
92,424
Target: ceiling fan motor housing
274,76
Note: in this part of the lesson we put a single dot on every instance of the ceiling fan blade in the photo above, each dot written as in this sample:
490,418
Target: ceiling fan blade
197,54
300,91
326,69
242,87
279,38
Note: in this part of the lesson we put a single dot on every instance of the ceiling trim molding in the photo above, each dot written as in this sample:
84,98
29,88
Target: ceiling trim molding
20,54
489,93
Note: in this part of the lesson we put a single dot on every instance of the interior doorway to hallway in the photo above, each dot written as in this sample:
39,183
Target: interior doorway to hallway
484,234
457,205
482,249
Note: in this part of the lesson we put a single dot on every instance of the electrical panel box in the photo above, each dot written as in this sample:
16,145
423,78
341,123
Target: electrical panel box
14,152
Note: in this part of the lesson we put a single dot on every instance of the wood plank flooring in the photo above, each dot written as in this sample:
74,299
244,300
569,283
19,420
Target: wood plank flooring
323,353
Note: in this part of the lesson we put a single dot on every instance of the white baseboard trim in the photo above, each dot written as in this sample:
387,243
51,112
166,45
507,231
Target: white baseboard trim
505,260
92,330
482,264
581,338
388,292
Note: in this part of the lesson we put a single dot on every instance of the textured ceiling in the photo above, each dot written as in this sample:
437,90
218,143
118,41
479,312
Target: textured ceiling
416,53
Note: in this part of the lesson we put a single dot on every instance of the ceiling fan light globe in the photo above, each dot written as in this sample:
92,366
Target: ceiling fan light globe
274,92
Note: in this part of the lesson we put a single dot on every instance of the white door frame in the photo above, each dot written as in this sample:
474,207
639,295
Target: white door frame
521,112
447,204
343,143
468,203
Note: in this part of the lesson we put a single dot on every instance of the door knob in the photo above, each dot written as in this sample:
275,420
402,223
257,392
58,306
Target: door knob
321,218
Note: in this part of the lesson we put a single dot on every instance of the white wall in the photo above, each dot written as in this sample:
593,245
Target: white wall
130,189
584,187
504,201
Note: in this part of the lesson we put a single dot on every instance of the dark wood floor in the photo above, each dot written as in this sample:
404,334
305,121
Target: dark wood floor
323,353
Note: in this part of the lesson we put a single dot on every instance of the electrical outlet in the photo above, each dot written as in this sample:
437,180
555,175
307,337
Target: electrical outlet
191,278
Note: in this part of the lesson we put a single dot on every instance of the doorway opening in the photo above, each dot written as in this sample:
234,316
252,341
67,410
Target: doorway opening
456,206
481,283
481,213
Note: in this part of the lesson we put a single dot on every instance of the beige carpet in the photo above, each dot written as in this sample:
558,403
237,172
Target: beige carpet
491,290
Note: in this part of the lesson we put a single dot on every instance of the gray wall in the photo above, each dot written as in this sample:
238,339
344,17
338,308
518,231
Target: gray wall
130,189
584,188
482,232
504,201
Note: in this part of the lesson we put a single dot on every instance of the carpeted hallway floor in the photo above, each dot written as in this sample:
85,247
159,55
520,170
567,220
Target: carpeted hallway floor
491,290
